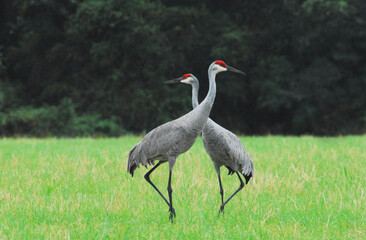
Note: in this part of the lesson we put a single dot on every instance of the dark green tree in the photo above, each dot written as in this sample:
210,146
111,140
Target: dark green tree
76,68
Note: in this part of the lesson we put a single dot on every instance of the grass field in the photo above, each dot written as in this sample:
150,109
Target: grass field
305,188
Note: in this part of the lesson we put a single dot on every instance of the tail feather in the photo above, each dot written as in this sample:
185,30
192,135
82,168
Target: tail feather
136,157
131,164
248,177
248,171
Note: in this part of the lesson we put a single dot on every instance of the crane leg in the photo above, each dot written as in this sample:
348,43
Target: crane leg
240,188
222,196
170,191
147,177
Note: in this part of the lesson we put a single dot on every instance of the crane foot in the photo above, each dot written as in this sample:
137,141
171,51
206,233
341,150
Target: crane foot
221,211
172,214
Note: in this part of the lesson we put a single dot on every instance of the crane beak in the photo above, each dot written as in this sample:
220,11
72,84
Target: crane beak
231,69
173,81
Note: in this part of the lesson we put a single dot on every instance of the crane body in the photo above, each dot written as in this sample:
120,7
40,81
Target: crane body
166,142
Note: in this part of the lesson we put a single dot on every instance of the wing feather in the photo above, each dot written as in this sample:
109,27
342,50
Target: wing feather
225,148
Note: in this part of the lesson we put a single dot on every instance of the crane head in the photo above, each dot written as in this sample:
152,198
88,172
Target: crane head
221,66
186,78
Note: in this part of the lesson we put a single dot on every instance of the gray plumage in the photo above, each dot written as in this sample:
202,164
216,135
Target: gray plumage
223,146
225,149
168,141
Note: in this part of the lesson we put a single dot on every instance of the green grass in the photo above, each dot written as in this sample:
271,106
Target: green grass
305,188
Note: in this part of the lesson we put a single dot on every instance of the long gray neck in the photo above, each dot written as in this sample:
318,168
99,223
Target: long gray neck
195,88
210,98
197,118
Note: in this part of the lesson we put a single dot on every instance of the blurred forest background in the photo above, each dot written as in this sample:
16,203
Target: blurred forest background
97,67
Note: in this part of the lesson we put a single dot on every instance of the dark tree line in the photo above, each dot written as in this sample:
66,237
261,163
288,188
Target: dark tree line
93,67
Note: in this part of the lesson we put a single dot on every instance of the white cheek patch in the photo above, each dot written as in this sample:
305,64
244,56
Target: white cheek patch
221,69
186,81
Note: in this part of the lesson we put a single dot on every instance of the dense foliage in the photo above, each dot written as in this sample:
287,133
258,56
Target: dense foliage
93,67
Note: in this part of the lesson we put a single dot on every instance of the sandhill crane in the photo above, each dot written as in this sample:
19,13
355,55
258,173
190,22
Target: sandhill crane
223,147
166,142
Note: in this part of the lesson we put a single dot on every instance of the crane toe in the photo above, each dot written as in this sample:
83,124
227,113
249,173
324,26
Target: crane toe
172,214
221,211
